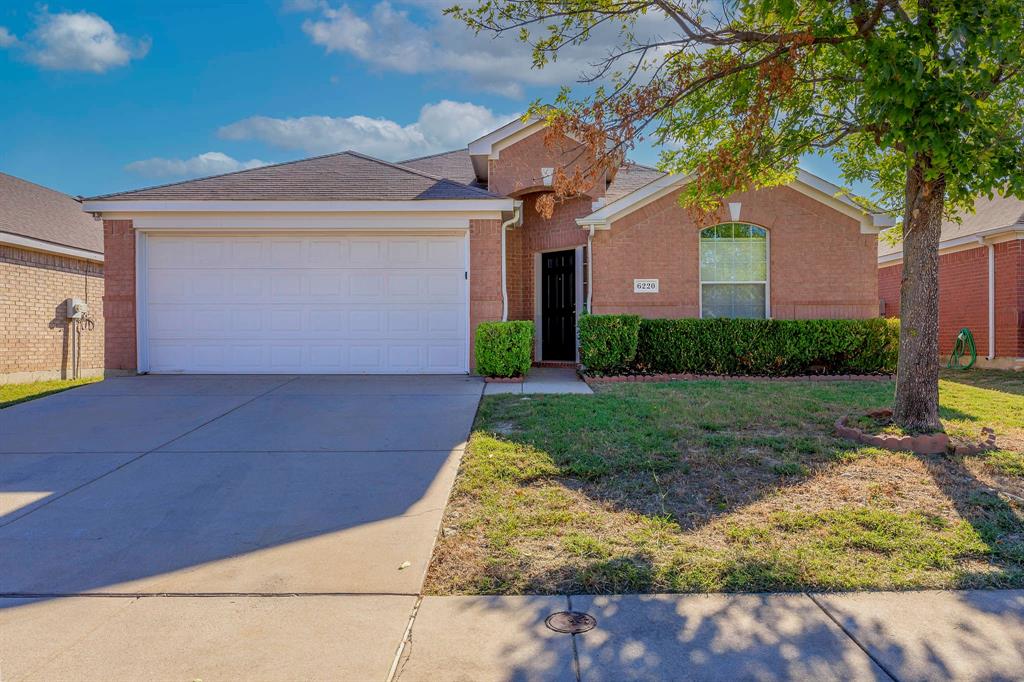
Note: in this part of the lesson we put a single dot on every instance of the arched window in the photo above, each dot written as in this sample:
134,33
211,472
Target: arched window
734,271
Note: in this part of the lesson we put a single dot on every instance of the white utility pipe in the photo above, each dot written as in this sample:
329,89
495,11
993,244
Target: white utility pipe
517,215
991,301
590,271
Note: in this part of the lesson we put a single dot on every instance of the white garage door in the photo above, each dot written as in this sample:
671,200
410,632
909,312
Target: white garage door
305,304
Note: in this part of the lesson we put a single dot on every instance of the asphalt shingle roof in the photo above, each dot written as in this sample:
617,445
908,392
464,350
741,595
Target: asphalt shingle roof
37,212
988,214
344,176
629,178
455,165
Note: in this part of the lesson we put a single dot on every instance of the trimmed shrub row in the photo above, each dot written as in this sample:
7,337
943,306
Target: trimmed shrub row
504,349
608,343
736,346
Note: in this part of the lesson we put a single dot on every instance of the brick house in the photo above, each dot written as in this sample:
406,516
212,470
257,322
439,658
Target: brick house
345,263
981,280
49,252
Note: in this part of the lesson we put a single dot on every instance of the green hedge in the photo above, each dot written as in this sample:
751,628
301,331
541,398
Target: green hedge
608,343
504,349
757,347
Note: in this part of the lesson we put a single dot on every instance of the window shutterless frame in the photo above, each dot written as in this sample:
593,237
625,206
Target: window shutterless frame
767,272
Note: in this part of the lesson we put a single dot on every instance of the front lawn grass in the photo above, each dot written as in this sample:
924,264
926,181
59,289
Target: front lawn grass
12,394
730,486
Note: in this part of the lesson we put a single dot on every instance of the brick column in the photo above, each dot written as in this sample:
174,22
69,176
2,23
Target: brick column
119,295
484,276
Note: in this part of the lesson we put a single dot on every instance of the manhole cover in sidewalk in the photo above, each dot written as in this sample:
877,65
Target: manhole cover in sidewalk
570,622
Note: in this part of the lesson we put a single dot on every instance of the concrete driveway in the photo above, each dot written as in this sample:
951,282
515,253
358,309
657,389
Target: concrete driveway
286,522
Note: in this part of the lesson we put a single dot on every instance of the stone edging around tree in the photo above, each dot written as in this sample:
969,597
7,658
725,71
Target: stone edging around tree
619,378
924,444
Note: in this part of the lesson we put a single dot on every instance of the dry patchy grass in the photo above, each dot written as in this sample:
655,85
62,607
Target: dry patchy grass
735,486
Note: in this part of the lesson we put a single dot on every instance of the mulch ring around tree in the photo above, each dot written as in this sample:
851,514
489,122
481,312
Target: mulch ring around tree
876,428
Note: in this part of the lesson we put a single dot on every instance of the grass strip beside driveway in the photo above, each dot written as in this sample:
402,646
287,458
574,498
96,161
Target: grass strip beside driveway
12,394
730,486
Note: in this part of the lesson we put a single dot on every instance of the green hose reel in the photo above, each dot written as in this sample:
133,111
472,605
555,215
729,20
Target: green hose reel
964,343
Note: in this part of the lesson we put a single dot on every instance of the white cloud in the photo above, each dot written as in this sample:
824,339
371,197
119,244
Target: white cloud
390,39
7,39
210,163
80,41
441,126
299,5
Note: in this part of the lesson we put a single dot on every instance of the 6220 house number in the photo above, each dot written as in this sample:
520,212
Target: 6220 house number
645,286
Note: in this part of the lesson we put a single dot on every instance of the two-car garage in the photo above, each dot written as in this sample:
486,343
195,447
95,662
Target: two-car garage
303,303
338,264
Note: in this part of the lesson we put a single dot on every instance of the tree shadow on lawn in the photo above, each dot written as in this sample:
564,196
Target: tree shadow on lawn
698,464
1001,380
995,514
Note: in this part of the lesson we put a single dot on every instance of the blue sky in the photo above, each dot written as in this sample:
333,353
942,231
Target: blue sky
111,95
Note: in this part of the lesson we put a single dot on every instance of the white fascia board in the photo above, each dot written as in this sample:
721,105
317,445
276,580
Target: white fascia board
305,221
482,145
993,235
652,191
414,206
872,222
806,183
49,247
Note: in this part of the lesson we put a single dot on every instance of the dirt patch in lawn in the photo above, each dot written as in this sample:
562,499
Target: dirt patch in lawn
708,486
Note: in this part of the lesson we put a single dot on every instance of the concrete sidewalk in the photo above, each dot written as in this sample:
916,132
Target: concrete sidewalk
973,635
976,635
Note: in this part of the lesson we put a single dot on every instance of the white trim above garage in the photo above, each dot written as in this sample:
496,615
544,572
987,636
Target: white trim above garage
292,222
213,206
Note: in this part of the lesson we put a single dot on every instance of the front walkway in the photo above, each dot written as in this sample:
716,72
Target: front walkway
543,380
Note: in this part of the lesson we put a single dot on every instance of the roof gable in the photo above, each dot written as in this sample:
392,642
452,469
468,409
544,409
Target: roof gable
37,212
806,183
344,176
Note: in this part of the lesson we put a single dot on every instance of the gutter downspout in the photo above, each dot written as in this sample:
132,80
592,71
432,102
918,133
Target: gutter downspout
517,216
991,301
590,271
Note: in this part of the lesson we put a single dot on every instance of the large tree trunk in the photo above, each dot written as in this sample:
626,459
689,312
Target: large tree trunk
917,374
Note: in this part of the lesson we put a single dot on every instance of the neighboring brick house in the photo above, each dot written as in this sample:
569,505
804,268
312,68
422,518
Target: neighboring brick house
49,252
344,263
981,280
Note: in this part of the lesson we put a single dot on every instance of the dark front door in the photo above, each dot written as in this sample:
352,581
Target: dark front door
558,305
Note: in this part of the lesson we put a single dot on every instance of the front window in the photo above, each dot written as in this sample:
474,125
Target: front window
734,271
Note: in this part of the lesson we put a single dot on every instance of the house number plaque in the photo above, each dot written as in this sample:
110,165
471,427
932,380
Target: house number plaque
645,286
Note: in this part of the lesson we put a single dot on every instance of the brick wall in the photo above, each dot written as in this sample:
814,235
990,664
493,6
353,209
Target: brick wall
517,170
1009,298
889,290
484,276
821,266
37,341
535,235
963,297
119,300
